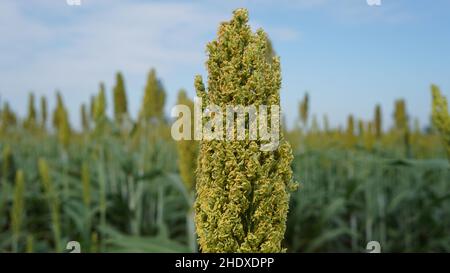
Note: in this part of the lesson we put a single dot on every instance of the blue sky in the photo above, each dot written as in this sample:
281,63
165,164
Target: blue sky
346,54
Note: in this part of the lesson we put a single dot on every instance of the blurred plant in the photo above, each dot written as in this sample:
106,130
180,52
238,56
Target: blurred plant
86,184
43,113
92,108
8,164
100,105
378,122
400,115
94,242
187,163
6,175
152,108
30,122
84,118
120,99
242,193
53,202
8,118
87,198
61,122
401,128
57,112
441,116
350,134
369,137
64,130
360,128
30,244
17,211
304,109
187,149
350,197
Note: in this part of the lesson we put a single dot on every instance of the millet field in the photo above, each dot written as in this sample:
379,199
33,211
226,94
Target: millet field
122,184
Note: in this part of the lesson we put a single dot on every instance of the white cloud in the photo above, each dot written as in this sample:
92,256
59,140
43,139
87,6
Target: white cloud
47,44
390,12
71,48
285,34
74,55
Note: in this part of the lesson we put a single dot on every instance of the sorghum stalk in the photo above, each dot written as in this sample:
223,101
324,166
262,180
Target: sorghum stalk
102,189
86,189
30,122
94,243
361,128
187,162
369,137
154,98
402,125
304,109
61,122
441,116
7,174
85,178
57,111
187,149
92,108
53,201
8,118
43,113
84,118
30,244
7,164
64,130
17,209
400,116
378,122
242,192
350,134
100,109
120,99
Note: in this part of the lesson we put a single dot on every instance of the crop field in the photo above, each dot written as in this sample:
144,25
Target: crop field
120,182
119,188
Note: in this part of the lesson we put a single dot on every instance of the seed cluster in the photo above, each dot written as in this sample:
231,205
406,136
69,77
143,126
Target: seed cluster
242,192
